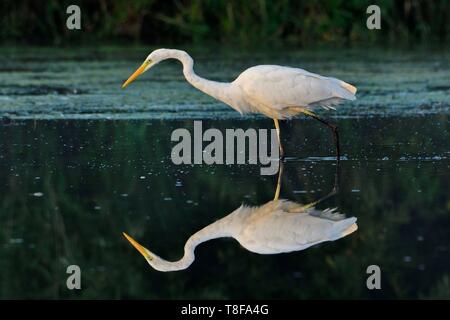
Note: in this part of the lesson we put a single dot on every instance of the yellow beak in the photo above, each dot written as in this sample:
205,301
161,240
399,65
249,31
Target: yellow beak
139,248
136,74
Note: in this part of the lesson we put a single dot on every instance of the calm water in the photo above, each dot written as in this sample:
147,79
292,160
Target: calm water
72,186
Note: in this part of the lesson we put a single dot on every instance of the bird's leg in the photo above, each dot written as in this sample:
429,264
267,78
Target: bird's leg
277,126
277,191
334,191
337,177
333,128
313,204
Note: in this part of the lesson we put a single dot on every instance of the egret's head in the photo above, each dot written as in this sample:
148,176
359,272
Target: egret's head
155,261
152,59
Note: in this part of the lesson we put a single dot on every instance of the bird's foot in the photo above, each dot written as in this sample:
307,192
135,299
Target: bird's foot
281,156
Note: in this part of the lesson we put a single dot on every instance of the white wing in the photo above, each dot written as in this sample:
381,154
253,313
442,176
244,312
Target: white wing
282,231
279,87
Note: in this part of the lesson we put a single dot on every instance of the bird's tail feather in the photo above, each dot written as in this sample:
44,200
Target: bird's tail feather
329,214
344,227
345,90
349,87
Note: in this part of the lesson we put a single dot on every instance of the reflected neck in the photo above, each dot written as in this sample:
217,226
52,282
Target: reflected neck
224,227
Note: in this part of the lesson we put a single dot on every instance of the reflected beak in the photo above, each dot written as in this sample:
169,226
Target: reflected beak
139,248
136,74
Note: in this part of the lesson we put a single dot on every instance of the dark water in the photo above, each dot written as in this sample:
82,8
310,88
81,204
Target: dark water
71,187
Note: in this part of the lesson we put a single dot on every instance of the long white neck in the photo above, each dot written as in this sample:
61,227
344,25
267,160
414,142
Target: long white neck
225,227
218,90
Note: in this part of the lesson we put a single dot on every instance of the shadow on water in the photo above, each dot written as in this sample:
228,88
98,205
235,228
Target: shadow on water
71,187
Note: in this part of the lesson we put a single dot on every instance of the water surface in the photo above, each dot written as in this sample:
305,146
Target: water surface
82,161
71,187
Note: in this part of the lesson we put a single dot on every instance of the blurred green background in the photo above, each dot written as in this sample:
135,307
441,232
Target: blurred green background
231,22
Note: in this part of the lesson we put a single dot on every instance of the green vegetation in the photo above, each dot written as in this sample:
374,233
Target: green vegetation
260,22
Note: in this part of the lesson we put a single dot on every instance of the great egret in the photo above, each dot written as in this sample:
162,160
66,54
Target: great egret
275,227
275,91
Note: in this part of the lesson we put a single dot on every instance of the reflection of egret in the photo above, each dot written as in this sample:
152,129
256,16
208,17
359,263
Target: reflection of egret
275,91
275,227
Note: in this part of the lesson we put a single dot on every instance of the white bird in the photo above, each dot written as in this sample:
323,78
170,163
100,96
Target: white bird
275,227
276,91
